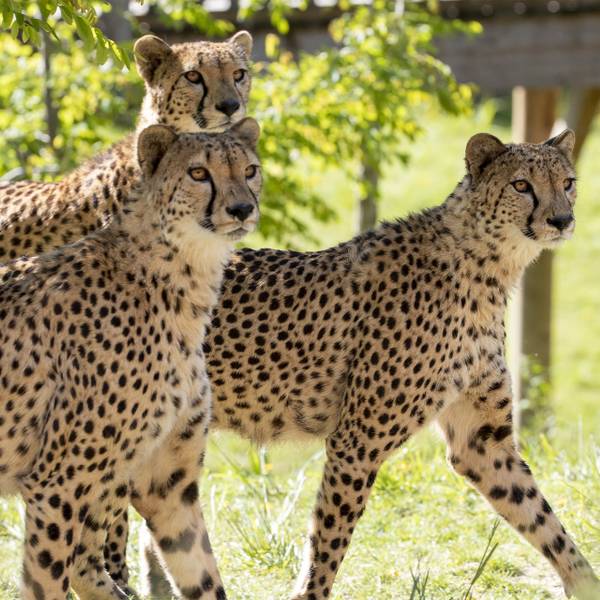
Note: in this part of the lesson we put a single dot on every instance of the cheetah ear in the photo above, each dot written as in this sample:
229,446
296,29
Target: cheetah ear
244,40
150,52
248,131
564,142
481,150
152,144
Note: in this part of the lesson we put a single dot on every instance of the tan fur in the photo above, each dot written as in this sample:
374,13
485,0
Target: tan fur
104,389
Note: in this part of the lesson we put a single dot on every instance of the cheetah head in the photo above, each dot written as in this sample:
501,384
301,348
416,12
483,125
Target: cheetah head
198,86
203,186
526,192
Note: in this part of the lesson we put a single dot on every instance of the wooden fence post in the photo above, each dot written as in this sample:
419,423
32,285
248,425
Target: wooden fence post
533,115
583,107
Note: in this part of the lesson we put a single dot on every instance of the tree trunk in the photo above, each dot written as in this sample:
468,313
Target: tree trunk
368,202
115,24
50,106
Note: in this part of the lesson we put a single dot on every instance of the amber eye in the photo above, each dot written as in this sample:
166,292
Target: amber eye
193,76
239,75
251,171
522,186
199,174
569,183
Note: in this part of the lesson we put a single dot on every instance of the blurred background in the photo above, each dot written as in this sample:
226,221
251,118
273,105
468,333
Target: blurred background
366,107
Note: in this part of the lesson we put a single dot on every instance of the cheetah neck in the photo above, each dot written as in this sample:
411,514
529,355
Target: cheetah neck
149,114
487,251
453,245
185,266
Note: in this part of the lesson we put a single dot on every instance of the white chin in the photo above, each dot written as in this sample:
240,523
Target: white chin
236,234
551,243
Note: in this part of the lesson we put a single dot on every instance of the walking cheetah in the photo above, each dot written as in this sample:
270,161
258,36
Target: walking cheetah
367,342
104,387
199,86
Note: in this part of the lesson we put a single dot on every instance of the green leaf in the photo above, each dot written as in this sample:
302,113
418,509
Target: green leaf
85,32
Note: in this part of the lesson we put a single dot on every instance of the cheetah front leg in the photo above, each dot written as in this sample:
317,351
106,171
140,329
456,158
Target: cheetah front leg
166,495
56,509
101,571
49,550
481,447
348,476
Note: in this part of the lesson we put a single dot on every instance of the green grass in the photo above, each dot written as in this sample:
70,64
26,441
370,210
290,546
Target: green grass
425,534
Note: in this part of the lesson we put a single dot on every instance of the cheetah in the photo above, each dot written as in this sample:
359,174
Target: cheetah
366,343
363,344
198,86
104,394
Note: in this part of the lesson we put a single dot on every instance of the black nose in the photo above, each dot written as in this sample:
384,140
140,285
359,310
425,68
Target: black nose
561,221
228,106
240,211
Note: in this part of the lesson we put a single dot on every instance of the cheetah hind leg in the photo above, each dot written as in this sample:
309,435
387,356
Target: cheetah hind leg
154,583
482,448
115,553
90,578
585,590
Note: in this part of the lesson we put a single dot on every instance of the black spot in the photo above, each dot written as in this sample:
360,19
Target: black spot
190,493
497,492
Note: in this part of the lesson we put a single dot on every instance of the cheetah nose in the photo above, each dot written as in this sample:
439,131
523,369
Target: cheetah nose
228,106
240,211
561,221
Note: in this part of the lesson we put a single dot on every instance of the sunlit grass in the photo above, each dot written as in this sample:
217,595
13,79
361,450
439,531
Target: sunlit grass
425,534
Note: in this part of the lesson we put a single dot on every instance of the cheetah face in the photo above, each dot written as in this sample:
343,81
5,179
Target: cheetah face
204,184
201,86
528,191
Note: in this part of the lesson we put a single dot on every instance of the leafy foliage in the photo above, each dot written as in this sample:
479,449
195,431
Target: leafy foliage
357,103
28,21
177,14
92,105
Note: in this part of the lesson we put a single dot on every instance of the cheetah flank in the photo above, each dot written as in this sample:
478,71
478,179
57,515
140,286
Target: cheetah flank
104,389
200,86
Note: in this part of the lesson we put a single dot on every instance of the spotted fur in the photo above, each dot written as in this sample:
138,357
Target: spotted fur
35,216
103,386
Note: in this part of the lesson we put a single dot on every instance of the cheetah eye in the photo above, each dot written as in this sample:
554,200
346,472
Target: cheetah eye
522,186
239,75
199,174
251,171
569,184
193,76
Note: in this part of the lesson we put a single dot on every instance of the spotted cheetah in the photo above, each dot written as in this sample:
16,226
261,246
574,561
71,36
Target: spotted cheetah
198,86
103,379
367,342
